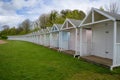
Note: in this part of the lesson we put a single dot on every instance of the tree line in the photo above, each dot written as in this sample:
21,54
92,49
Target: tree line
44,20
23,28
47,20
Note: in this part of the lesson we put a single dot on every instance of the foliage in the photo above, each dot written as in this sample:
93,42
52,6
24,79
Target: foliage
44,20
23,28
3,37
59,18
101,8
75,14
28,61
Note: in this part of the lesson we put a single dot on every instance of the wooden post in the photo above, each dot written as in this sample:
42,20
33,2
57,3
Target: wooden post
76,31
61,40
80,42
50,40
92,16
114,43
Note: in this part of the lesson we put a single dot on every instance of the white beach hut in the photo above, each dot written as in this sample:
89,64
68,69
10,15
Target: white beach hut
69,35
55,36
42,41
100,38
47,36
36,37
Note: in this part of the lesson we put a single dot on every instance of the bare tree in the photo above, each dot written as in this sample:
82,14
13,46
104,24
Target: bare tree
24,27
44,18
113,7
5,27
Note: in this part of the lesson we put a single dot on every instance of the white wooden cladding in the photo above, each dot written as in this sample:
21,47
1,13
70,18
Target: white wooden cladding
117,59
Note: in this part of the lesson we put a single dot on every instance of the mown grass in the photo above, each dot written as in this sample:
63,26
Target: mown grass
27,61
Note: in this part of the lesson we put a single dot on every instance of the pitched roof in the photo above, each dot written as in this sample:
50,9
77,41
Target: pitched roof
114,15
49,29
75,22
46,30
41,31
37,33
59,26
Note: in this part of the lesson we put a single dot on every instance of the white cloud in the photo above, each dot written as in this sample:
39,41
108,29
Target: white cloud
11,20
22,3
35,8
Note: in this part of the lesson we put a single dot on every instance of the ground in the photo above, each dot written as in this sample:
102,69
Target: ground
2,42
27,61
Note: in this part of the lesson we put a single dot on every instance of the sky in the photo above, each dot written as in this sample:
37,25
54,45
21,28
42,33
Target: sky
13,12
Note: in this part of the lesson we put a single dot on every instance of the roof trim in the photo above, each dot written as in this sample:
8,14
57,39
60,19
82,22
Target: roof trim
54,25
100,12
67,26
112,18
85,18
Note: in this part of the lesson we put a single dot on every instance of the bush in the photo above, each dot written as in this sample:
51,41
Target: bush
4,37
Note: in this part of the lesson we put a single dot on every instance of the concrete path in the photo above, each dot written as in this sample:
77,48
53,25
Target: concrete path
2,42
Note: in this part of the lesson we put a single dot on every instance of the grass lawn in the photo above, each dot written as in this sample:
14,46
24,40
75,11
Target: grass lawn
27,61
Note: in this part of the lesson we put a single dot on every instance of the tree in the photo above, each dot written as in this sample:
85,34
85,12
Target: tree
75,14
25,25
53,16
59,20
113,7
101,8
47,20
65,13
5,30
19,29
5,27
44,18
12,31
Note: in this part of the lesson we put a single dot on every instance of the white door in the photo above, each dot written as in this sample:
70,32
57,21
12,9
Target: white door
65,39
72,37
109,42
103,41
89,40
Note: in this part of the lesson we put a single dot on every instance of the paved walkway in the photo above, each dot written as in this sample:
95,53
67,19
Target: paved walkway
95,59
2,42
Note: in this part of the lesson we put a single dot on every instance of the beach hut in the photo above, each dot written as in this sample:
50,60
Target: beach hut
100,38
55,36
47,38
69,37
32,37
36,37
42,41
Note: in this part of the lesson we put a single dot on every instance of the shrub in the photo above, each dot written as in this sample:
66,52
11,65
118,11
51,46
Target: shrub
4,37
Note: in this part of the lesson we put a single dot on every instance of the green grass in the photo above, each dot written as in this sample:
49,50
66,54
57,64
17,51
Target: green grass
26,61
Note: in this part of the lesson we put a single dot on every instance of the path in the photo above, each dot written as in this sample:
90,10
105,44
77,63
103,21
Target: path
2,42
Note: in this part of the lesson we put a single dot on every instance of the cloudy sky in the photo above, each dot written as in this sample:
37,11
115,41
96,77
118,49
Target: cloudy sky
13,12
